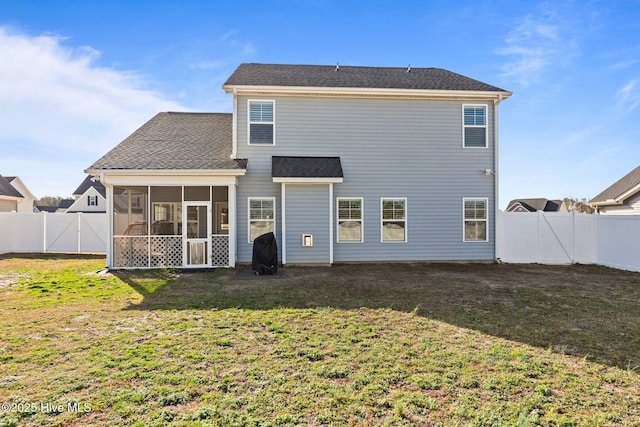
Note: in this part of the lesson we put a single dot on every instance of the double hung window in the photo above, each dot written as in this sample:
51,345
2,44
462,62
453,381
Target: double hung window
475,126
350,220
261,122
394,220
262,216
475,220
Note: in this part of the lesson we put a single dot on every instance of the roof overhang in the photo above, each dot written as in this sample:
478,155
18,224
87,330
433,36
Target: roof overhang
618,200
167,177
308,180
366,92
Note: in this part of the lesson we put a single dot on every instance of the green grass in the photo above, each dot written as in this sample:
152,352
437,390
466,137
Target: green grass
422,344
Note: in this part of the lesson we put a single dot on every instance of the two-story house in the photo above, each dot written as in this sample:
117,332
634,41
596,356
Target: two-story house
342,163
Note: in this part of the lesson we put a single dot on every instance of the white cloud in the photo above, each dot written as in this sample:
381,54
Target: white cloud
537,43
629,96
61,111
52,94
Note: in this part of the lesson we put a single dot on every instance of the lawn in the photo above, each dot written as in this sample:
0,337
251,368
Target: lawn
395,344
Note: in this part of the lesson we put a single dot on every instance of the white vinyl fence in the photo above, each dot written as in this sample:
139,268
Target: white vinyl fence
45,232
566,238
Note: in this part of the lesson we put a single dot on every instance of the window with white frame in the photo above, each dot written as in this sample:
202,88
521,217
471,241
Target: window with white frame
475,126
393,213
475,220
92,200
262,215
261,122
350,227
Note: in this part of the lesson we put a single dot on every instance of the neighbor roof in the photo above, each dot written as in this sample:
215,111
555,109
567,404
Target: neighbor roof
306,167
617,192
8,190
176,141
539,204
87,184
332,76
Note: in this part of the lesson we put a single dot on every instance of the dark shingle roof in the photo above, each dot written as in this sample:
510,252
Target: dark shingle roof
619,187
66,203
540,204
176,141
6,189
88,183
354,77
306,167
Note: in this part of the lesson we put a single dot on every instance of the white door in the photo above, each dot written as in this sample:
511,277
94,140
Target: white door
196,234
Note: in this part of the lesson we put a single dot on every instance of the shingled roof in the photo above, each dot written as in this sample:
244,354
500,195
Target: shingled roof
8,190
88,183
332,76
306,167
618,190
176,141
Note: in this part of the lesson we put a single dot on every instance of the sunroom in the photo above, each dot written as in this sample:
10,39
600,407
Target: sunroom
171,193
170,226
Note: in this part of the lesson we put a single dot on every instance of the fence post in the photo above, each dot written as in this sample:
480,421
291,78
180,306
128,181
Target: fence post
573,237
79,230
44,232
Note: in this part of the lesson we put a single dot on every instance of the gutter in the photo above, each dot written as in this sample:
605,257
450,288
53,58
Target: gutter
358,91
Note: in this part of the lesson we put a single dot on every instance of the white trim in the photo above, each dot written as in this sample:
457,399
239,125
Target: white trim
405,220
486,220
171,180
338,199
486,125
234,127
364,92
308,180
273,122
213,173
283,214
233,237
331,223
273,199
496,182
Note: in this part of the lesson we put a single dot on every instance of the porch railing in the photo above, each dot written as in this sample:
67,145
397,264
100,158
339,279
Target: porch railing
162,251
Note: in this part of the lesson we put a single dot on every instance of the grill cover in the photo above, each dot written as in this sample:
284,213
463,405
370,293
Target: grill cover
265,254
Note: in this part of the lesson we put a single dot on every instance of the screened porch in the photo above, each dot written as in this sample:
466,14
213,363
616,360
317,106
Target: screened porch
170,226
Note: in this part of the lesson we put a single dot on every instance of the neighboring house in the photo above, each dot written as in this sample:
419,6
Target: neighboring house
621,198
534,205
89,197
62,207
14,195
343,164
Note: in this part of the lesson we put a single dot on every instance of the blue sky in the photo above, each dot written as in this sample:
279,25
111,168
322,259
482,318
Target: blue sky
77,77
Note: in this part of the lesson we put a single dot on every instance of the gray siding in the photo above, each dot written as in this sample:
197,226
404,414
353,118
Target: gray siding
307,211
388,148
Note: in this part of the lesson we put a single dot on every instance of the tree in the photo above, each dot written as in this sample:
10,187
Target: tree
49,201
577,205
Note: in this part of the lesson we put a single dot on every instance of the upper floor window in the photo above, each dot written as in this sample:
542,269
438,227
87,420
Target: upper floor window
261,122
475,126
92,200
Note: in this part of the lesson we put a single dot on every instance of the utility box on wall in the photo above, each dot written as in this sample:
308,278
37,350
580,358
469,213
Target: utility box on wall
307,240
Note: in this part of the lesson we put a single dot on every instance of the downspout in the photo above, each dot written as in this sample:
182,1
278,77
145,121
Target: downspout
496,174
